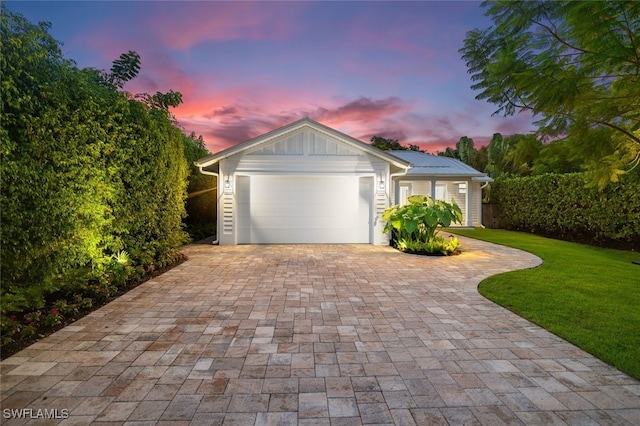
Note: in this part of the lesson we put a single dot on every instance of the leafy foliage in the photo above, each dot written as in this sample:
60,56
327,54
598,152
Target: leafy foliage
436,245
416,223
392,144
466,152
124,69
575,74
86,173
202,195
561,206
524,155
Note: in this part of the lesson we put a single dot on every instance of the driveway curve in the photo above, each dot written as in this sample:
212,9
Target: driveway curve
315,334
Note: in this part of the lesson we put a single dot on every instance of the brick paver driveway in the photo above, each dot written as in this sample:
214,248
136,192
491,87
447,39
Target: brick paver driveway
284,335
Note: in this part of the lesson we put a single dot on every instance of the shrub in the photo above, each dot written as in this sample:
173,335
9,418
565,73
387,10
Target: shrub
202,197
436,245
559,205
415,224
86,172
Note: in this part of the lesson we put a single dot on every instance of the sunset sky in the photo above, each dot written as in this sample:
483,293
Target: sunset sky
390,69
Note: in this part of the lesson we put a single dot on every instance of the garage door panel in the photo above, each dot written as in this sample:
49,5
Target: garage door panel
303,236
304,209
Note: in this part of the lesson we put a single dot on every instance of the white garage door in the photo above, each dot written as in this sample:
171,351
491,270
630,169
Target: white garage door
304,209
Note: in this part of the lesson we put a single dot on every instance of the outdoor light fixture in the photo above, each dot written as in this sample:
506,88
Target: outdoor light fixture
381,185
227,184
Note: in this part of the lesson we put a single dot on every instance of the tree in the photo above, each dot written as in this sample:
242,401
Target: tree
557,157
481,159
466,150
392,144
449,152
523,153
467,153
496,152
575,74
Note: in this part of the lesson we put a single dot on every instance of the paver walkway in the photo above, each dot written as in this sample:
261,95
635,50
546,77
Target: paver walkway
322,334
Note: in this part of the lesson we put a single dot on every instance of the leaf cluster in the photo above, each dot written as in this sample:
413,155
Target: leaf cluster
574,74
418,220
392,144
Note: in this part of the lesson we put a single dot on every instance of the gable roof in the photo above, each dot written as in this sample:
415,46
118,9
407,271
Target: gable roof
296,125
423,164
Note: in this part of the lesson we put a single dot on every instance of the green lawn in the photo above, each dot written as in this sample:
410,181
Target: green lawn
586,295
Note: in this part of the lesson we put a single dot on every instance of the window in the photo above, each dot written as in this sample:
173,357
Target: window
405,192
441,191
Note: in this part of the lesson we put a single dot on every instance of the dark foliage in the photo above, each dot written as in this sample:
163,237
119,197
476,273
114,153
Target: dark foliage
93,181
561,206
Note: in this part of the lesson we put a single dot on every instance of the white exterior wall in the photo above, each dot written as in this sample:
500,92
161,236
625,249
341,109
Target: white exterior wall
476,203
302,152
470,202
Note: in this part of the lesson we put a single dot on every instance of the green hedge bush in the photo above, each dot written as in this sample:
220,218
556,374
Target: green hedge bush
560,205
93,180
202,198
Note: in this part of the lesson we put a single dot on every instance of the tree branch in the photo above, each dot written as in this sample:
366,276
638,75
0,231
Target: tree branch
560,40
524,106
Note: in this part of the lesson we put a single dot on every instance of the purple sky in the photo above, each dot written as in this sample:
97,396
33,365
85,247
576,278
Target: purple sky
390,69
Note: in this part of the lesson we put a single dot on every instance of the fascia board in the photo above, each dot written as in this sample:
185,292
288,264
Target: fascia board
305,122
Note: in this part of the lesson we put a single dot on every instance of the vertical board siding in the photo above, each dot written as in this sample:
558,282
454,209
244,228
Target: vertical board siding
263,209
227,214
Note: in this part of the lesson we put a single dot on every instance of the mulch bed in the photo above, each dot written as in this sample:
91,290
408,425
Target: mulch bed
12,348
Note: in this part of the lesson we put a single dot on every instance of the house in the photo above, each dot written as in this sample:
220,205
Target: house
308,183
442,178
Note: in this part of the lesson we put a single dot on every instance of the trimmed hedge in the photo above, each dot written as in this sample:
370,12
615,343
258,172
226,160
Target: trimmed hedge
93,181
559,205
202,196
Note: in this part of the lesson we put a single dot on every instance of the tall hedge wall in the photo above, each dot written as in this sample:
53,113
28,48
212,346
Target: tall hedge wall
202,196
560,205
87,173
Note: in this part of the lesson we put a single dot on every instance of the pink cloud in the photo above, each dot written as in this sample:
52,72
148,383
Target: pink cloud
222,112
160,72
192,23
518,123
364,110
227,121
236,114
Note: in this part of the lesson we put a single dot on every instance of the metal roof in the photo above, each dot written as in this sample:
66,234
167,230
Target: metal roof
423,164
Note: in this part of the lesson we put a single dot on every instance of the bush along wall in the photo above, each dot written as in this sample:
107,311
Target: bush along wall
560,206
93,183
202,195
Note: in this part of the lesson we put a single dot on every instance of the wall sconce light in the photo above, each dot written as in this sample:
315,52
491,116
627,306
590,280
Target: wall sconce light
381,186
227,185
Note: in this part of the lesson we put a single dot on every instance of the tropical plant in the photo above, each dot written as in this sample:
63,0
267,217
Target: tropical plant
416,224
437,245
572,73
